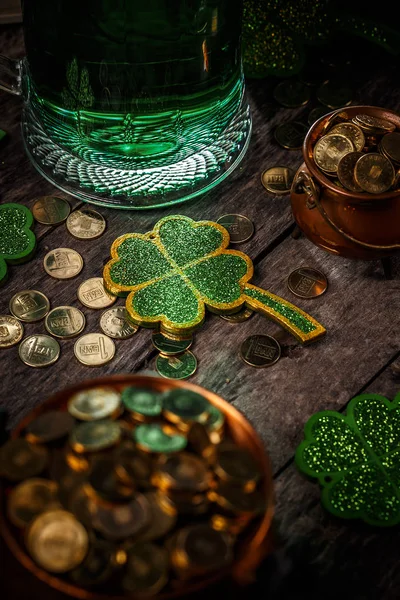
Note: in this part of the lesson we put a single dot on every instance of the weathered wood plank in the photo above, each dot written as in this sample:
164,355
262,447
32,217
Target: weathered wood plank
332,557
360,311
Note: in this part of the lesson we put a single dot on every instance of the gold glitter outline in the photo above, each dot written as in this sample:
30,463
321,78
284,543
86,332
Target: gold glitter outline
168,327
304,338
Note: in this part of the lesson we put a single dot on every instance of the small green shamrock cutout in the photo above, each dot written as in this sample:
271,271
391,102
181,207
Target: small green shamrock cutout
356,458
17,241
173,273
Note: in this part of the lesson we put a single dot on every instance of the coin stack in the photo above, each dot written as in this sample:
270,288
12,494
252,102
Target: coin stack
135,490
361,154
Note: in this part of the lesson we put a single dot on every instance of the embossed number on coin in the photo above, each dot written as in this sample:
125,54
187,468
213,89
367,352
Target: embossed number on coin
39,350
260,351
307,283
29,306
278,180
94,349
65,321
374,173
11,331
93,294
63,263
114,323
240,228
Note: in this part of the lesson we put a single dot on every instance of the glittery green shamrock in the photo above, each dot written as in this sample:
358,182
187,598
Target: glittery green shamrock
356,458
181,267
17,241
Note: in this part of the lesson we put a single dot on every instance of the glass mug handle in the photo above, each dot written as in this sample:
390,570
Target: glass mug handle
10,75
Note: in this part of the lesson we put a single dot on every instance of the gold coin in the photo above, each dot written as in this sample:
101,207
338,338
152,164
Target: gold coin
50,210
49,426
39,350
65,321
57,541
105,483
121,521
29,306
351,131
346,171
329,149
238,501
237,465
98,565
239,227
19,459
94,404
278,180
93,294
94,349
239,317
199,549
183,471
306,282
374,125
374,173
146,570
95,435
63,263
260,351
163,517
30,498
86,224
11,331
390,145
114,323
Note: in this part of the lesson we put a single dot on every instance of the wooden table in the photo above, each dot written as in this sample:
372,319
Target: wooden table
317,555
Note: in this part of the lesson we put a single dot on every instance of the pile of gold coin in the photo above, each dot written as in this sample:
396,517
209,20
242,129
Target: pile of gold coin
131,489
362,153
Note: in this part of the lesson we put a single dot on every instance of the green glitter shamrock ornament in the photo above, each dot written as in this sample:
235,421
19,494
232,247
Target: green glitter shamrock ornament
356,458
17,241
181,267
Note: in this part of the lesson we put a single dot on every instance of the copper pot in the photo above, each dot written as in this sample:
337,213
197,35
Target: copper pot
355,225
250,552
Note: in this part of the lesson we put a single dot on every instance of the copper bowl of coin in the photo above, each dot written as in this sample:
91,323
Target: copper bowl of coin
80,471
346,195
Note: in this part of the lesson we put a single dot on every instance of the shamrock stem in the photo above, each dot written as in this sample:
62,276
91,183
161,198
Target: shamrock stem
296,321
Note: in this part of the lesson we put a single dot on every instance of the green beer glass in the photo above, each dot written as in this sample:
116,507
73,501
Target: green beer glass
132,103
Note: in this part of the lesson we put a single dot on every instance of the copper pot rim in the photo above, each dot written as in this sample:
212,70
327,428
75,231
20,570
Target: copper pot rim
346,195
253,548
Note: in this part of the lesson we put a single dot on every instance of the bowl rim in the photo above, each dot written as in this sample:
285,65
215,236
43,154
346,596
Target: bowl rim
254,547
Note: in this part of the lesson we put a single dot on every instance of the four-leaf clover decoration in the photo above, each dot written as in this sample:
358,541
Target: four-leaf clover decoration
17,241
174,272
356,458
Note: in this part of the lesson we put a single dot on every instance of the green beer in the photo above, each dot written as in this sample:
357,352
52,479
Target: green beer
136,86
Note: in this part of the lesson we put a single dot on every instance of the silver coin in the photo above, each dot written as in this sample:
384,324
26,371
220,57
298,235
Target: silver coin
29,306
240,228
86,224
65,321
39,350
114,323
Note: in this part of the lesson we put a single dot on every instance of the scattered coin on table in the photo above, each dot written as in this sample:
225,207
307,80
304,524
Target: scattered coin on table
260,350
29,306
65,321
306,282
39,350
63,263
115,324
239,317
292,93
94,349
278,180
334,95
177,367
86,224
11,331
94,404
50,210
239,227
93,294
169,347
291,135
